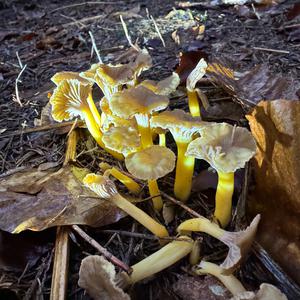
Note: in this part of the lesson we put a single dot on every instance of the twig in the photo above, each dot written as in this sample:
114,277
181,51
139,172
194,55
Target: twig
95,47
83,20
127,34
271,50
17,97
255,12
140,235
177,202
86,3
42,128
158,32
101,249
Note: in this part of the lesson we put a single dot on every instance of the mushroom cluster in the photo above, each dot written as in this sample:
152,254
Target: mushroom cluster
132,114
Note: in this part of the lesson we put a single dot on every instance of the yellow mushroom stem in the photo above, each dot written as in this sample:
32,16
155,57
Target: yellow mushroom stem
144,130
224,198
123,178
162,259
203,225
154,191
96,133
194,257
162,139
94,109
184,172
229,281
139,215
193,103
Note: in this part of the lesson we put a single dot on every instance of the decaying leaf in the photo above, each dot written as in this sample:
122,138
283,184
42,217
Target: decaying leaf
38,200
255,85
98,277
276,128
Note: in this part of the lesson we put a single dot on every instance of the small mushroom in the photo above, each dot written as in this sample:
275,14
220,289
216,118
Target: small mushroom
126,180
69,100
226,148
98,277
164,87
239,243
106,189
61,76
150,164
191,82
266,291
138,102
183,127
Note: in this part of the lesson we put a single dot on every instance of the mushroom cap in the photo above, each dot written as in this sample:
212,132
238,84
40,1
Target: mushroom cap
136,100
196,74
181,124
142,61
124,139
98,277
115,75
225,147
151,163
239,244
266,292
110,119
101,185
163,87
69,99
90,73
60,76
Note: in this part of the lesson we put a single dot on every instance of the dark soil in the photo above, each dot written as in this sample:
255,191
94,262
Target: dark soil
48,36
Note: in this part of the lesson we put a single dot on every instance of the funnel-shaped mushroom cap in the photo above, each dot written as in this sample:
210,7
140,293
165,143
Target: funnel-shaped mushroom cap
91,73
142,61
116,75
239,244
163,87
196,74
136,100
60,76
266,292
124,140
225,147
181,124
98,277
151,163
101,185
69,99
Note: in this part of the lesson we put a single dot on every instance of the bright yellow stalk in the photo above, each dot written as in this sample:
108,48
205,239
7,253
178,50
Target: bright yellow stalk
162,139
153,191
126,180
139,215
184,172
224,198
146,136
203,225
193,103
230,282
95,131
162,259
94,109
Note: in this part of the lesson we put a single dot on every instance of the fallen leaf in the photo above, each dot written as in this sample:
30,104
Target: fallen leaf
37,200
255,85
196,288
276,128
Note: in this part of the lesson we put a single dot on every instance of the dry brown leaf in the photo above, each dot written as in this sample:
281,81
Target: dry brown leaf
37,200
276,128
255,85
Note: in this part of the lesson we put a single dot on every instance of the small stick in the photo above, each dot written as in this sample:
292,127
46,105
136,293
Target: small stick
271,50
158,32
127,34
177,202
95,47
17,97
101,249
62,244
